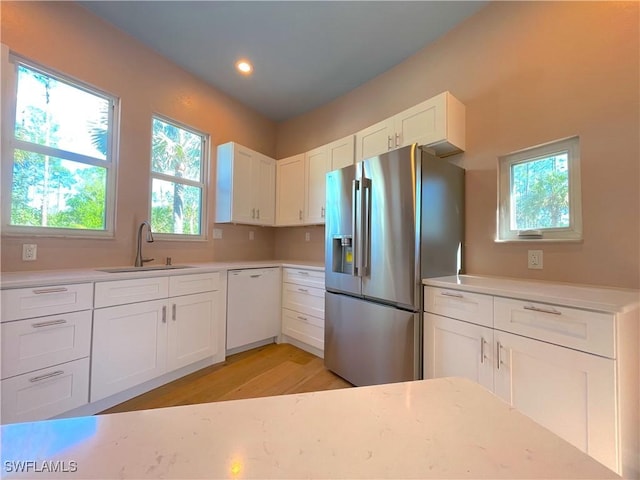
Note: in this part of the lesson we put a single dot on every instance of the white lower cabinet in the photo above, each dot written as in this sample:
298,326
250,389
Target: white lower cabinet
129,346
303,308
571,393
46,343
140,341
454,348
192,334
45,393
563,379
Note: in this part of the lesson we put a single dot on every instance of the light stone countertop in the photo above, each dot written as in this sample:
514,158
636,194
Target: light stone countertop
66,277
443,428
602,299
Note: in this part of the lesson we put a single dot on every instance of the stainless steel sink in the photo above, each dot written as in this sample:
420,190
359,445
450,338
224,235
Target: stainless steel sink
142,269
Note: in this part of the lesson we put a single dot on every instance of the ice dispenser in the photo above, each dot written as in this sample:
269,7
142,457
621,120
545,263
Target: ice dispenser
343,254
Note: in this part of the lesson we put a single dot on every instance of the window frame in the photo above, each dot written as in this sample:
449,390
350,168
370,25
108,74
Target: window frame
203,184
572,233
10,62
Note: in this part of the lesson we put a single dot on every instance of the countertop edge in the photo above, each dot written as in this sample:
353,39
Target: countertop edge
589,297
43,278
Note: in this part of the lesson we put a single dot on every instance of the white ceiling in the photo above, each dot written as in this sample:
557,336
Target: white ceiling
305,53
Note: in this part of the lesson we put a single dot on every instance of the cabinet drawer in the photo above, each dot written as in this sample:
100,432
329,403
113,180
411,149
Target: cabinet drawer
470,307
32,344
311,278
197,283
306,328
308,300
120,292
582,330
45,393
38,302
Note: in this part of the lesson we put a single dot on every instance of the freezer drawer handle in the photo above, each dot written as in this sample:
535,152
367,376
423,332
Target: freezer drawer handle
449,294
49,324
50,290
46,375
552,311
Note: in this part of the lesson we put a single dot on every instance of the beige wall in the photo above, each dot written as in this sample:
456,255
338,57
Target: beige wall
66,37
529,73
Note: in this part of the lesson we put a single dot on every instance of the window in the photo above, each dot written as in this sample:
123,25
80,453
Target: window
62,171
539,193
178,167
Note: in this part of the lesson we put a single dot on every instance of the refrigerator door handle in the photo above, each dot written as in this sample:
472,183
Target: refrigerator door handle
355,231
366,226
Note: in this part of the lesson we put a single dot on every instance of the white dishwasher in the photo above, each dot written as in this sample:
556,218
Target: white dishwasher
253,307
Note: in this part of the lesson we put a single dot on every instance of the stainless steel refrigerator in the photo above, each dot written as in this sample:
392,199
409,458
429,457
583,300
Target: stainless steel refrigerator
391,221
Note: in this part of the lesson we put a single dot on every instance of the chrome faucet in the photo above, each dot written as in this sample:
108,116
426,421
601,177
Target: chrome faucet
139,260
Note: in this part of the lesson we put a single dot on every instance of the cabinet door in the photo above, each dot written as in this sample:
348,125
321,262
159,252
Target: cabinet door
290,181
243,189
192,329
341,152
264,186
374,140
315,170
424,123
569,392
129,346
453,348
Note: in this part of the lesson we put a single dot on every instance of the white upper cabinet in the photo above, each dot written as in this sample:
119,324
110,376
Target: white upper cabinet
290,190
245,186
316,166
341,152
437,123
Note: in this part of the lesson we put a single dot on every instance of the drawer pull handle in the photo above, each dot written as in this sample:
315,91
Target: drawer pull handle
304,290
40,291
552,311
258,275
46,375
304,319
450,294
301,272
48,324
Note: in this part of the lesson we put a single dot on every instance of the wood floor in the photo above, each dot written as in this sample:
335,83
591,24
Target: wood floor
275,369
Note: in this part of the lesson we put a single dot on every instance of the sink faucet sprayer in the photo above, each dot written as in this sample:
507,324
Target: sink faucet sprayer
139,260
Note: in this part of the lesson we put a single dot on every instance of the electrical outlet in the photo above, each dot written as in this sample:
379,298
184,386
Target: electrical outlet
534,259
307,236
252,235
29,252
217,234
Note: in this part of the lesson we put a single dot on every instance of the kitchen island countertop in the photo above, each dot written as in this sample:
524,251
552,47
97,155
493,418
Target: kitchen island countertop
444,428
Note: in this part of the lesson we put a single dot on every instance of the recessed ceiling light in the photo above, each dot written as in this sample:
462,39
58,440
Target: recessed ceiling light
244,67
